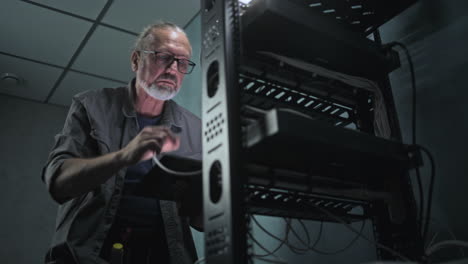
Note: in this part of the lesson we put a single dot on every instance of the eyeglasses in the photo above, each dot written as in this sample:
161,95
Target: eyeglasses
165,59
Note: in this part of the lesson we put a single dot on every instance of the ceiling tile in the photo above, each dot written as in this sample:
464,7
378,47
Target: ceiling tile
86,8
39,33
134,15
75,83
107,54
38,79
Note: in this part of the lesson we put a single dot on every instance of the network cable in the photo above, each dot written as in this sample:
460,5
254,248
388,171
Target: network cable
307,245
413,127
282,241
443,244
336,218
449,230
295,249
332,252
431,190
178,173
266,250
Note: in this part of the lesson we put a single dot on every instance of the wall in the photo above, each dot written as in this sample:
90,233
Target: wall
27,213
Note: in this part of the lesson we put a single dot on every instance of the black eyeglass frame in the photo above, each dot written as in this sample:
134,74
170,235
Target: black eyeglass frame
191,64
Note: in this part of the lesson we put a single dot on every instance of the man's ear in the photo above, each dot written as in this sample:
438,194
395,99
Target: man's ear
134,60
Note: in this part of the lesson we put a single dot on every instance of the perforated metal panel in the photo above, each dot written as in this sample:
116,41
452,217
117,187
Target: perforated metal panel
214,127
225,240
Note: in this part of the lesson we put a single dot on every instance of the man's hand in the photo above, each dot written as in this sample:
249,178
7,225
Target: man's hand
77,175
150,141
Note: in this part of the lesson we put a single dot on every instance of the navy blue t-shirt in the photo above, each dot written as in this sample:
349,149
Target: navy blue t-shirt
142,214
136,172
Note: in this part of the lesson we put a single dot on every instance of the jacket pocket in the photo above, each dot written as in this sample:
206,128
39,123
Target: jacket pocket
66,210
103,146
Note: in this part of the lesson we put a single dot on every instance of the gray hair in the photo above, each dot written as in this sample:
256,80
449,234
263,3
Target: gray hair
141,41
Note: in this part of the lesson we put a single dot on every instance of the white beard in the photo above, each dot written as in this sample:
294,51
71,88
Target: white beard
162,92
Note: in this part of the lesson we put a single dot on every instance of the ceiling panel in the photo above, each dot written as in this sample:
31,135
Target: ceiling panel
39,33
134,15
38,79
75,83
107,54
86,8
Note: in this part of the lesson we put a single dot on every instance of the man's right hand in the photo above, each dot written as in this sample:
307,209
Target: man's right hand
150,141
78,175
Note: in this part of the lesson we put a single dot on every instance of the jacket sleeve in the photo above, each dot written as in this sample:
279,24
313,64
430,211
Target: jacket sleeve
73,141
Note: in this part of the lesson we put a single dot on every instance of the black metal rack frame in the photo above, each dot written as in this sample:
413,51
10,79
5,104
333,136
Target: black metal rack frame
233,187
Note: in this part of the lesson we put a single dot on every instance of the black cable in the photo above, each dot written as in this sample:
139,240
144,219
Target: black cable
449,231
421,199
338,219
413,128
413,86
319,235
295,249
307,245
266,231
336,251
282,241
265,249
431,190
306,231
425,225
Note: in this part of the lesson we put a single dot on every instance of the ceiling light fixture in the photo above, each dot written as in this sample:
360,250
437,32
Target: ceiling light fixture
10,79
245,2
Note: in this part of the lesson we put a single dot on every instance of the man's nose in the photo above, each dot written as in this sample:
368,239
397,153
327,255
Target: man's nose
173,65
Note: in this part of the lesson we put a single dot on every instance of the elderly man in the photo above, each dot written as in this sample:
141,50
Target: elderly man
105,149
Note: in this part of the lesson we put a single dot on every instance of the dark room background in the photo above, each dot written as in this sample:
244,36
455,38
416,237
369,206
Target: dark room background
435,32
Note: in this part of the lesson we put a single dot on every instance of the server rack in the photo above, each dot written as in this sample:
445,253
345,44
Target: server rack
251,98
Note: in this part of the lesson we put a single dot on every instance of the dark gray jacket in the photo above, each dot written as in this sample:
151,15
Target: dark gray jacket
99,122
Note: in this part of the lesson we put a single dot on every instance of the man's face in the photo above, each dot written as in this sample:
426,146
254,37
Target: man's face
158,80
